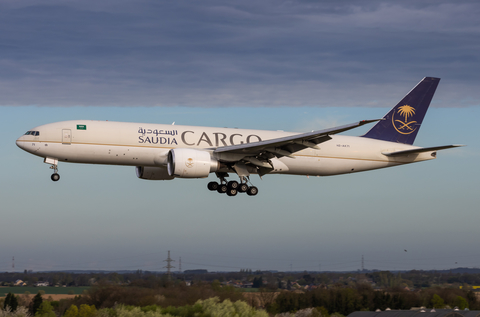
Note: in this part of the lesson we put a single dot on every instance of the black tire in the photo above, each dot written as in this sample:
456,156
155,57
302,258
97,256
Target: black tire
242,188
222,189
232,192
212,186
232,185
252,191
55,177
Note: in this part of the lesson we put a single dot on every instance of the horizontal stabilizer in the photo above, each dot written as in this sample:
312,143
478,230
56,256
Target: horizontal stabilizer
421,150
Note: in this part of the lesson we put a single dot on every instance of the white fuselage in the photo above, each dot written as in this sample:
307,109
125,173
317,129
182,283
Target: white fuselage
146,144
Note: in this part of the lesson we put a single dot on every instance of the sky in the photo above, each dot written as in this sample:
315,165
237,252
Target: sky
275,65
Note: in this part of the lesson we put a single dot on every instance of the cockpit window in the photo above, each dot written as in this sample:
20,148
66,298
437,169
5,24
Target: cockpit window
35,133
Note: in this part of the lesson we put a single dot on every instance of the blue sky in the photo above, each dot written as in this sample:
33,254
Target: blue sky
294,66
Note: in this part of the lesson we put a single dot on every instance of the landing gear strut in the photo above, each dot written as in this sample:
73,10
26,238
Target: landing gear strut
54,166
55,176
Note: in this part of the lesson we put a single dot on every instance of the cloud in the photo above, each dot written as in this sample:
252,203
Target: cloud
235,53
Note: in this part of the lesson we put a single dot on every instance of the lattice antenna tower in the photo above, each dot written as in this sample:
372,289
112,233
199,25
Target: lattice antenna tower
169,266
363,266
180,264
13,264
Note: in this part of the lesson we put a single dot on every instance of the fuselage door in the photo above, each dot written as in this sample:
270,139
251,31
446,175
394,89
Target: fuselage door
66,136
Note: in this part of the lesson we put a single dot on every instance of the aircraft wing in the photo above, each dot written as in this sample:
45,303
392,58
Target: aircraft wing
421,150
286,146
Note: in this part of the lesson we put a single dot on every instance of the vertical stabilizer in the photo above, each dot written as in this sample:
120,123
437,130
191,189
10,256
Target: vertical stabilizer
401,124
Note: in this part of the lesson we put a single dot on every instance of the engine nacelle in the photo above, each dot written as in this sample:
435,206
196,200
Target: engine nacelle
153,173
190,163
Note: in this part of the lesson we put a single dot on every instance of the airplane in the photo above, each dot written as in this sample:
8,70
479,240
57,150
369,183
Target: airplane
165,152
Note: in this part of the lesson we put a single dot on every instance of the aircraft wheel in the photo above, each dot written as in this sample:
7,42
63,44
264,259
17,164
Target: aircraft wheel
55,177
252,191
212,186
232,192
232,185
242,188
222,189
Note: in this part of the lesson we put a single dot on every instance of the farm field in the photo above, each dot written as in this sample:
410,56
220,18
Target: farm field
47,289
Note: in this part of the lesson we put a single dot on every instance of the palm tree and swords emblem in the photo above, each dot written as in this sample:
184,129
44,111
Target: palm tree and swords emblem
189,162
404,127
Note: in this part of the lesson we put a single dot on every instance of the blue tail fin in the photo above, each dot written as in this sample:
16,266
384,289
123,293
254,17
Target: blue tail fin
401,124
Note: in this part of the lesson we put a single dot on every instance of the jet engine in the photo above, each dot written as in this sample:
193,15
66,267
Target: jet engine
190,163
153,173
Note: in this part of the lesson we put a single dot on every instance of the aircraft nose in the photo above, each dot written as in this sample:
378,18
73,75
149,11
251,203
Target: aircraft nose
19,143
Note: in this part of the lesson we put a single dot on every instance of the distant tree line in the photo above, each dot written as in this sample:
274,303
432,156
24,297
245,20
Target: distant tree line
382,279
345,300
173,294
208,307
422,279
337,299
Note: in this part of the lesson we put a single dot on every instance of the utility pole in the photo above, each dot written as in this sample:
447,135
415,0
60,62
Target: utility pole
169,266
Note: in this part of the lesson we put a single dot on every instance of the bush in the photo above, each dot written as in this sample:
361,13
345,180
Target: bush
20,312
203,308
215,308
45,310
106,296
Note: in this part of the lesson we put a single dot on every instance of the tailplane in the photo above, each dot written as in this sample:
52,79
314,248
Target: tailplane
401,124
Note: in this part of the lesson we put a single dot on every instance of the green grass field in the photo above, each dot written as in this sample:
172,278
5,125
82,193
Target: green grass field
48,290
249,290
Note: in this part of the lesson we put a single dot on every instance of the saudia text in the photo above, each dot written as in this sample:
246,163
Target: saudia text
191,138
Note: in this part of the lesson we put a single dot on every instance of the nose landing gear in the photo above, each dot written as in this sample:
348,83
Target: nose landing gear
55,176
54,166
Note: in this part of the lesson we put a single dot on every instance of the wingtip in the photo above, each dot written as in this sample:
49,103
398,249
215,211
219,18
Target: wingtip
369,121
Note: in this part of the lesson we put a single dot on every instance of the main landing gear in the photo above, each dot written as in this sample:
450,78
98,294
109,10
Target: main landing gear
232,188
